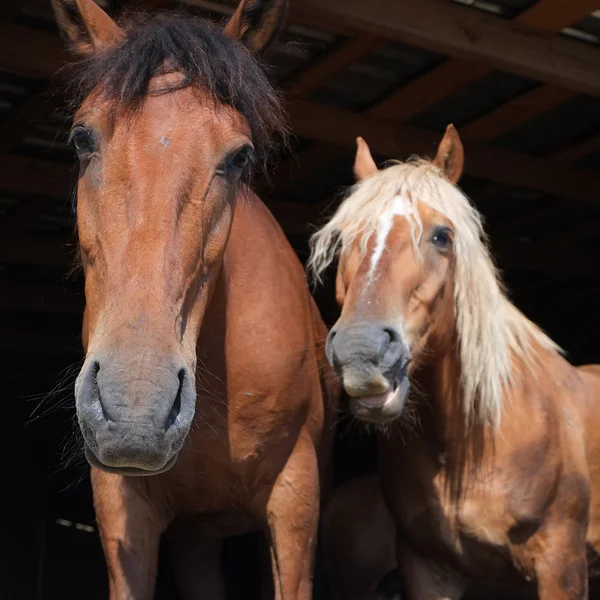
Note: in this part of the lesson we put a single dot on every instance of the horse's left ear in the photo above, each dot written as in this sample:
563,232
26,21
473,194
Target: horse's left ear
364,165
255,23
85,26
450,156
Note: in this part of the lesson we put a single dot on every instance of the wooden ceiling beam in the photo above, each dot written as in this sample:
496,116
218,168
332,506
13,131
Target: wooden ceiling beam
437,25
428,89
315,74
340,127
554,15
334,61
454,74
468,34
516,112
545,15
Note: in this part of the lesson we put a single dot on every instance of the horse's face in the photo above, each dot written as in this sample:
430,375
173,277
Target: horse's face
396,299
155,203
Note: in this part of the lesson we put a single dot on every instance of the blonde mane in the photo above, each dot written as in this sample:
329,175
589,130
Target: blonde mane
490,329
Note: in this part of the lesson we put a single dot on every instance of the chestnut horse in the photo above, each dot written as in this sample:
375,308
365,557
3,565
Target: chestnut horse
497,478
205,363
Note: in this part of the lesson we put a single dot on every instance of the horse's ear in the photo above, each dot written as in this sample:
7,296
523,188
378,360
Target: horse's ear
364,165
255,23
85,27
450,156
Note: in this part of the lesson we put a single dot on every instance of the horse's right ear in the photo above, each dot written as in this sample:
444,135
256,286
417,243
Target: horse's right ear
450,156
364,165
255,23
85,27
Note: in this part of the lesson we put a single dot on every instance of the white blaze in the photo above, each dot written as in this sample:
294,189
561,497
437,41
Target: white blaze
400,207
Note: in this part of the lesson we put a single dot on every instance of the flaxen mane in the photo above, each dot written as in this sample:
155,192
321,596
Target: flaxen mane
490,330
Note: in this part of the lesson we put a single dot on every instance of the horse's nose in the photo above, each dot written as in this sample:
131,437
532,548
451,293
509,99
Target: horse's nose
106,397
134,413
369,356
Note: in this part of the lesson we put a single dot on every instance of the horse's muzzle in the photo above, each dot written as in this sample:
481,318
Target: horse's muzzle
134,419
372,360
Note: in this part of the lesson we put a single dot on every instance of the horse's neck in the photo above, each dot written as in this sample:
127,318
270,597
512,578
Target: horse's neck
441,413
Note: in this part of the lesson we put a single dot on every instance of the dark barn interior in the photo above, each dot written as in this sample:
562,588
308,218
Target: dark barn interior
519,78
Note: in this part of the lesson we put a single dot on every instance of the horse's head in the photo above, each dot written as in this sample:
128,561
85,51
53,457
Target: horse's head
172,114
395,276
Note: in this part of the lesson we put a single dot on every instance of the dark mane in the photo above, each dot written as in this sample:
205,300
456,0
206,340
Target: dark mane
209,60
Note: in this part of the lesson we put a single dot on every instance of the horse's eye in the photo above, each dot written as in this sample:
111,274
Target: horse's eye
239,162
442,238
82,140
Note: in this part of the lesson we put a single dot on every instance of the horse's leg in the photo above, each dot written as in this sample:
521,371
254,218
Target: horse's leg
292,514
423,580
130,529
561,570
196,562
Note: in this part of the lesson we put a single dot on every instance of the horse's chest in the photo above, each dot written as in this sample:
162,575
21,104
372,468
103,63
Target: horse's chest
469,531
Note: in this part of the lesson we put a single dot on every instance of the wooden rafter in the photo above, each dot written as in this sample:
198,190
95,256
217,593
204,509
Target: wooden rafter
340,127
433,24
454,74
554,15
349,52
426,90
465,33
516,112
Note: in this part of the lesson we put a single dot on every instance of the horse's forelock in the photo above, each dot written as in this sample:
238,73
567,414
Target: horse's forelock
207,59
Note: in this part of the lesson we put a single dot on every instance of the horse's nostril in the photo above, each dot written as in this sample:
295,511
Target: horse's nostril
95,369
387,340
176,408
394,336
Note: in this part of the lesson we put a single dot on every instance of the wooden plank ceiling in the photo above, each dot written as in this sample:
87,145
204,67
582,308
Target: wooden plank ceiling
520,79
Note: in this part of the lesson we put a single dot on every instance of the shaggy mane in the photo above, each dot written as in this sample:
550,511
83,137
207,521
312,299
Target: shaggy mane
209,61
490,329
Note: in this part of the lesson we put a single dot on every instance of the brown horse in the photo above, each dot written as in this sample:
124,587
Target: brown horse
204,348
495,475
